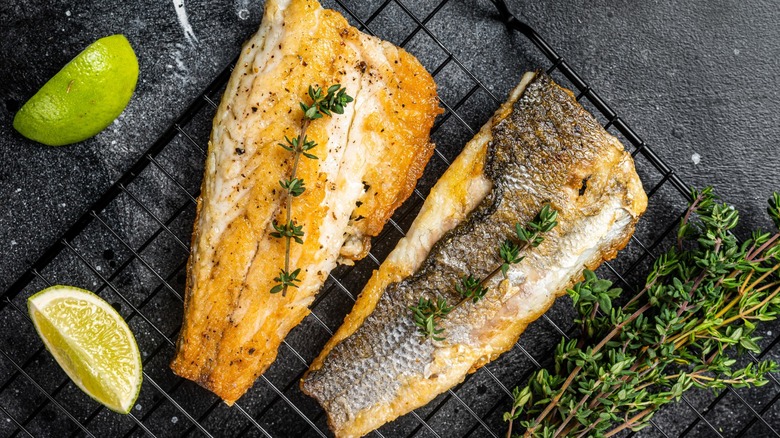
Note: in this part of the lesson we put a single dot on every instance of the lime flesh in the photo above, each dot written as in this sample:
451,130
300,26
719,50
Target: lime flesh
91,342
84,97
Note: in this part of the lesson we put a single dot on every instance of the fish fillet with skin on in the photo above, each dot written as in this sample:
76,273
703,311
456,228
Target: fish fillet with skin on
541,147
369,160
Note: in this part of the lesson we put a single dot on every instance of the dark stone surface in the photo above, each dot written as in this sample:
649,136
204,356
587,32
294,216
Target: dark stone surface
696,81
43,189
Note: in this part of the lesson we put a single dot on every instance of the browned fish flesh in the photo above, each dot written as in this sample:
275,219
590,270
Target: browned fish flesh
369,160
541,147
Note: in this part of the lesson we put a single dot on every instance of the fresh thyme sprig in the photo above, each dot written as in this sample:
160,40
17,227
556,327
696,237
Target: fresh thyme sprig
428,312
324,102
702,296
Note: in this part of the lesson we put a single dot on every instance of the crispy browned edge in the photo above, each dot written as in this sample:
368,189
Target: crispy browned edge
375,222
605,254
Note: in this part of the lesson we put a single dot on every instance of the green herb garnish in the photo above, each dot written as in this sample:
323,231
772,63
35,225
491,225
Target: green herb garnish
704,295
324,102
428,312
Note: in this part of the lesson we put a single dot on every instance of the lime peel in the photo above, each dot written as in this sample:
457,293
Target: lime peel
84,97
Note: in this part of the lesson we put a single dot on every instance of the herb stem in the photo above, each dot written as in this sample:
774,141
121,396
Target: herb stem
640,294
738,297
325,102
619,327
484,281
630,423
747,313
592,426
589,428
687,217
293,174
764,276
554,401
428,312
509,429
577,369
705,294
680,339
744,287
752,255
570,416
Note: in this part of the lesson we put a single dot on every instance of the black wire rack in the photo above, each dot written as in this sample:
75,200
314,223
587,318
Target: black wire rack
142,274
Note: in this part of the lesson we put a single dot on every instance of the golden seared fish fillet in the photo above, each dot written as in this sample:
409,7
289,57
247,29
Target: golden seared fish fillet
369,160
540,147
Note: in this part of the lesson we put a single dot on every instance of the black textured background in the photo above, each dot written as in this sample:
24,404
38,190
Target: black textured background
695,79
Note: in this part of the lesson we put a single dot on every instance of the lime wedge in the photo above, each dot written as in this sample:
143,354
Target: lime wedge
91,342
84,97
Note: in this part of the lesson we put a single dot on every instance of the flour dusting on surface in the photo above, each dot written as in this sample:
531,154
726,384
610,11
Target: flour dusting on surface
184,22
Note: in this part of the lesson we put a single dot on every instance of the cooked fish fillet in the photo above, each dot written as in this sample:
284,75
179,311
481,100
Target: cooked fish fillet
369,161
540,147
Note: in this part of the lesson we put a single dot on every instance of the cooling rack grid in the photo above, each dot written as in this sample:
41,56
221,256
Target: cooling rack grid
131,248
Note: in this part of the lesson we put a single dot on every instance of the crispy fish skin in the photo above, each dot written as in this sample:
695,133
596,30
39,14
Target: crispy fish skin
540,147
369,160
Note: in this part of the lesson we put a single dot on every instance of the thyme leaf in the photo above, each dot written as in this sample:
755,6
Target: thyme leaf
471,289
426,313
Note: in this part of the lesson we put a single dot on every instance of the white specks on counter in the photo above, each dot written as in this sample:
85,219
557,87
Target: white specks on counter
184,22
180,71
242,9
174,420
13,243
137,407
736,51
67,13
696,158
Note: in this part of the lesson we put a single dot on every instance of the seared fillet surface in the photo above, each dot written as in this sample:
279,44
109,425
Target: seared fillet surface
540,147
369,161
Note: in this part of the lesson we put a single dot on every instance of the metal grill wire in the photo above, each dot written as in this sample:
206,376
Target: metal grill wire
36,399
